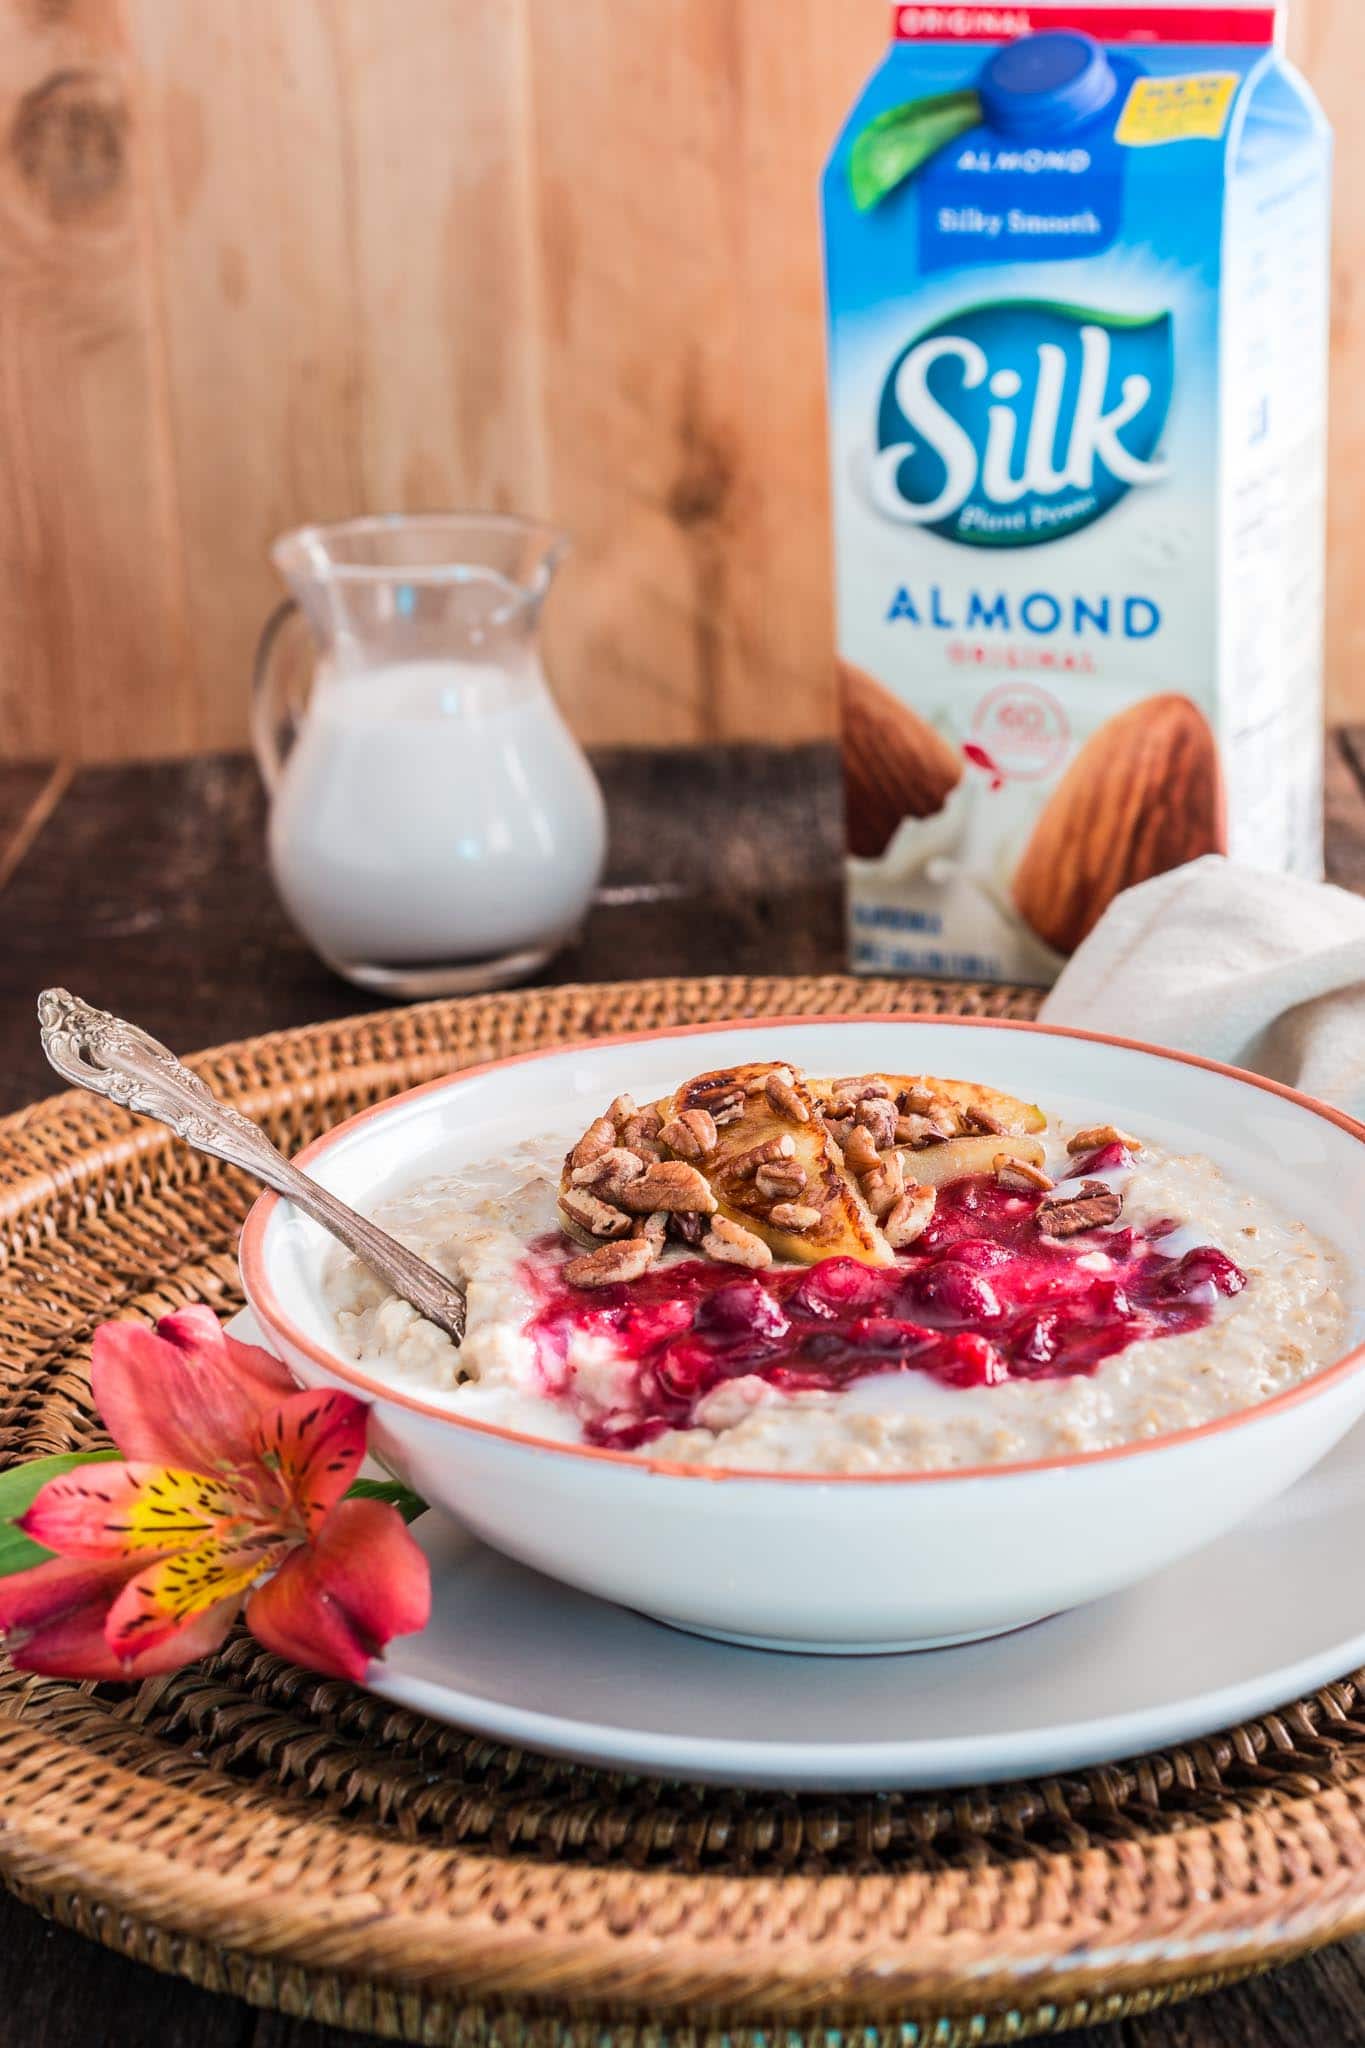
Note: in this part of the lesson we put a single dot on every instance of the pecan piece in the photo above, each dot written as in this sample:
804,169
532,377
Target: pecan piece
1093,1204
723,1099
615,1186
916,1130
734,1245
1019,1175
687,1225
780,1089
691,1134
1096,1135
907,1218
857,1087
884,1186
611,1263
781,1180
860,1153
590,1213
640,1132
615,1163
655,1229
981,1120
668,1184
878,1118
797,1216
763,1154
620,1109
916,1101
599,1137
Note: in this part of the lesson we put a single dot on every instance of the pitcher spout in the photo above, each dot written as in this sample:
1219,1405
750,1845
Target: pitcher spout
443,577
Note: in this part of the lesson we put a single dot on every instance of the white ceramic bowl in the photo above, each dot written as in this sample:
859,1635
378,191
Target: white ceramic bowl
845,1562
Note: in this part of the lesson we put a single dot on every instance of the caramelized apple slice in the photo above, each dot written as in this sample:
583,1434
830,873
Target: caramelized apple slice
936,1165
774,1167
959,1107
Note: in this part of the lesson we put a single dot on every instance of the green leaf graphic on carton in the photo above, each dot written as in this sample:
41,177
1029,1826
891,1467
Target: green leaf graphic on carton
893,146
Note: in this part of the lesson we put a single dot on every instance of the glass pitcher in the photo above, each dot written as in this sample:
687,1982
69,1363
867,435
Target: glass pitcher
434,826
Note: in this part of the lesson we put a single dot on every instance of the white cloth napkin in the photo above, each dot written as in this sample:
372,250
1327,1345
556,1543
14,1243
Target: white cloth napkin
1262,970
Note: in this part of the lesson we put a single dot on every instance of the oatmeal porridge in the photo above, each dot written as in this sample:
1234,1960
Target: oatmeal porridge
766,1272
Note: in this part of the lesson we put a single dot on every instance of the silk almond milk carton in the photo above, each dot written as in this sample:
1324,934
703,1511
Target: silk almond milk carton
1077,263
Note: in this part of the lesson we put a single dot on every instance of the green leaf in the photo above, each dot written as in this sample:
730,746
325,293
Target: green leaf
897,142
408,1504
19,1487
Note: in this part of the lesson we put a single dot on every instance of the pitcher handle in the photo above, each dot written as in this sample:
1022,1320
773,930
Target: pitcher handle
271,713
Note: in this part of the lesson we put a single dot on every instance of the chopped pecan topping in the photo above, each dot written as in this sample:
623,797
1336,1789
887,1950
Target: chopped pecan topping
691,1134
762,1154
655,1229
840,1128
641,1131
723,1099
857,1087
916,1101
1096,1135
612,1263
688,1225
917,1130
860,1152
590,1213
1019,1174
981,1120
781,1180
615,1163
884,1186
616,1183
599,1137
734,1245
1093,1204
621,1109
780,1089
668,1184
797,1216
878,1118
907,1218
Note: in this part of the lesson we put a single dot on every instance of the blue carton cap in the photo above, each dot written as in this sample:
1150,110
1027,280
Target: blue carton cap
1041,84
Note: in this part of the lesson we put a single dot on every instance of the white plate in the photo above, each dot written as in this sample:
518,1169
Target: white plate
1254,1621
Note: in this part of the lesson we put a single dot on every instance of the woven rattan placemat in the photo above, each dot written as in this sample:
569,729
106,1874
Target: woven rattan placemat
302,1844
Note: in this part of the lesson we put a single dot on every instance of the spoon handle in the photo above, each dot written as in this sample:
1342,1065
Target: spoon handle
102,1053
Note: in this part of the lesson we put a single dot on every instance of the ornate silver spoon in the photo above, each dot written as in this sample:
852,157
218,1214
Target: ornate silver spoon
107,1056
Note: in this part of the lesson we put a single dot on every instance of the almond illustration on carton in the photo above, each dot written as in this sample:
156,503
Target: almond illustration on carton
895,765
1145,793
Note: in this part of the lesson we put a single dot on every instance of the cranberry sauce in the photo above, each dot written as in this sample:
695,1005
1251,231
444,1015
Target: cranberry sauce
981,1298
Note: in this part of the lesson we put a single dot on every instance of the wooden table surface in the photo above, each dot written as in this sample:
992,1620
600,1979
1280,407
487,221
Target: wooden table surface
144,889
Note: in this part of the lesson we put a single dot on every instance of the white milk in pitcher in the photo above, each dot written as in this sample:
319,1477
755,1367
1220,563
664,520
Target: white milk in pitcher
1077,266
435,811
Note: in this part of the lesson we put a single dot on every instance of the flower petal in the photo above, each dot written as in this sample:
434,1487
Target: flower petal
52,1618
172,1403
315,1443
196,1329
164,1599
334,1604
125,1511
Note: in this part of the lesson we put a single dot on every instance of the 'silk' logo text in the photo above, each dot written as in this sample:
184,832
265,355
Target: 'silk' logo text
1016,423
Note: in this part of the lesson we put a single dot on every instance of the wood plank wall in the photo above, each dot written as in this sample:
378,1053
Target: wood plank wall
268,260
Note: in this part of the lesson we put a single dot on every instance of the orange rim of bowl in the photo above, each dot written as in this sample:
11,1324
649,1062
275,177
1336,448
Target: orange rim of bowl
265,1304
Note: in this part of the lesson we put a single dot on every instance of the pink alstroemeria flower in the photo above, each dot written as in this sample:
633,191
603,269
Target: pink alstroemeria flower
233,1478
